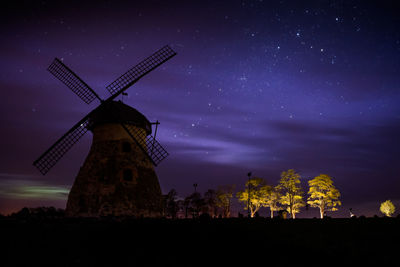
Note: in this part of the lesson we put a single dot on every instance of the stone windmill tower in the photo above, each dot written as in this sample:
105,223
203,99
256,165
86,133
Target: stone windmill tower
117,177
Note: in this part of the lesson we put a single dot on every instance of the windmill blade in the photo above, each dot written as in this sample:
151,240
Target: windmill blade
148,144
156,151
70,79
141,69
49,158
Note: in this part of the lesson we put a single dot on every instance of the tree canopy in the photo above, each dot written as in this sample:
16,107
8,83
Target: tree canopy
323,194
224,199
292,195
272,201
257,195
210,201
387,208
170,203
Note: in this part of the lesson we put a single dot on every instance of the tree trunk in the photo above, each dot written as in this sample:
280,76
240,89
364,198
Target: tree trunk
321,211
228,209
272,213
254,210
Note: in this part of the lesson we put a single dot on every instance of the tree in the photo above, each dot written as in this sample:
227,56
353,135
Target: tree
273,201
387,208
194,203
323,194
292,195
210,201
170,203
224,199
186,205
259,191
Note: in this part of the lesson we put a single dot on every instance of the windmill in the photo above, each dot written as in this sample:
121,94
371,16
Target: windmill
117,177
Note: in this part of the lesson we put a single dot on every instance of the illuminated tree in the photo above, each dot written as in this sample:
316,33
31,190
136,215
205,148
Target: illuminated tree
272,201
387,208
259,191
323,194
292,195
224,199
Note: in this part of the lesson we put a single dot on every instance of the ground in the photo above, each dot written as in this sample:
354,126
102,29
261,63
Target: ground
203,241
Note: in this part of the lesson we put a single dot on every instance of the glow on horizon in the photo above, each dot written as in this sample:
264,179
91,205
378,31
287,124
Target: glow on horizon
31,189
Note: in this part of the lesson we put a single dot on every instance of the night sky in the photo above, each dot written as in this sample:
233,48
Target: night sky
261,86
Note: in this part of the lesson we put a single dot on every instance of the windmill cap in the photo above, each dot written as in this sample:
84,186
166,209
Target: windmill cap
118,112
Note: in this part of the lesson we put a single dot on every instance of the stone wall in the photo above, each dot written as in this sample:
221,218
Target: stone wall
117,178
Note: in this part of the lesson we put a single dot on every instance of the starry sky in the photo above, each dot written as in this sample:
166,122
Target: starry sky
261,86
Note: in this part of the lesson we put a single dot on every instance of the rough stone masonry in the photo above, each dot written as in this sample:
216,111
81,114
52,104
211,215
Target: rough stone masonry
117,177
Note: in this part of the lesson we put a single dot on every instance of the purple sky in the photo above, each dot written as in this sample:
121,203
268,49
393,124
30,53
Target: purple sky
261,86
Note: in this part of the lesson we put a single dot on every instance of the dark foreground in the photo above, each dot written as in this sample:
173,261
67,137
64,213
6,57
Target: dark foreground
205,242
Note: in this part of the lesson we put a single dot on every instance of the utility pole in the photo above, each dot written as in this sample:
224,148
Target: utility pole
248,196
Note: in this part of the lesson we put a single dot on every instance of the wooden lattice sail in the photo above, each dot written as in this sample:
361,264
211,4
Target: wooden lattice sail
117,177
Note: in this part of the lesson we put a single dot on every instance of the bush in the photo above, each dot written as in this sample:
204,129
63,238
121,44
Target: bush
39,213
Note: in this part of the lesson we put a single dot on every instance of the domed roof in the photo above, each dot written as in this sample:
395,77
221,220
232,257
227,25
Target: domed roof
118,112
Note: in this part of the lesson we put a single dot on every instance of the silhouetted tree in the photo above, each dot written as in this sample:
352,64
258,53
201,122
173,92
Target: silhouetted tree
171,205
194,203
180,203
323,194
39,213
210,202
23,213
292,195
186,205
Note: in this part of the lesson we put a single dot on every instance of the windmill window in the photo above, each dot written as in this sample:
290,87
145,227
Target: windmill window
128,176
126,147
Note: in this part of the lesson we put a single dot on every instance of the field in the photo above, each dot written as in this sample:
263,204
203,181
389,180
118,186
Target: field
200,242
